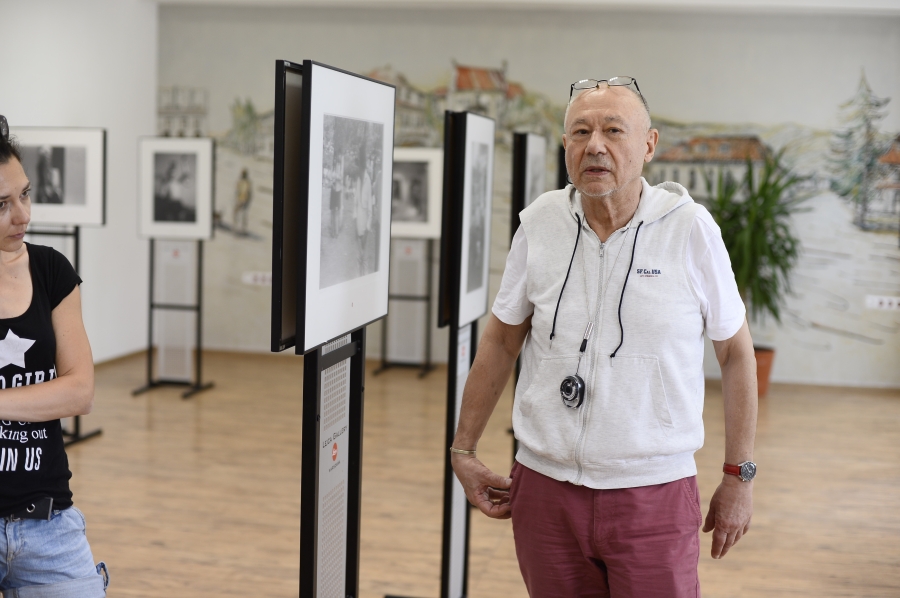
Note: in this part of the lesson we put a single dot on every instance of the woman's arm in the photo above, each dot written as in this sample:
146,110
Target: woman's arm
72,391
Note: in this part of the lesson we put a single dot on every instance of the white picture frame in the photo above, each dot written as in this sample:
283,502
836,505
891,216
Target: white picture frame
414,216
345,283
478,185
175,192
67,170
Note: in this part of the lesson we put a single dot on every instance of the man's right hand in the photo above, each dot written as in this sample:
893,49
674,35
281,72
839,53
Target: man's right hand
484,488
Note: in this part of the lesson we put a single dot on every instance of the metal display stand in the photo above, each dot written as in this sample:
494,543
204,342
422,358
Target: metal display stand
197,385
75,435
461,352
519,168
427,366
334,369
331,478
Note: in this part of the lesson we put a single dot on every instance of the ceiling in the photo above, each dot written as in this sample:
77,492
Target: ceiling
859,7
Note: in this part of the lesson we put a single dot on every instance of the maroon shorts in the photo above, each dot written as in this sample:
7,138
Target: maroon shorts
630,542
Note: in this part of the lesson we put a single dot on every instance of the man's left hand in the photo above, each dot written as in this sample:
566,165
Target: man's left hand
730,511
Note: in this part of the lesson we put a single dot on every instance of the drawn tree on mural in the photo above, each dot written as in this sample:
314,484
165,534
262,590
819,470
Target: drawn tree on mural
245,127
856,148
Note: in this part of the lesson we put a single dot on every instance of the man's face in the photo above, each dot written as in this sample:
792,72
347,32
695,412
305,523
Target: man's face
607,140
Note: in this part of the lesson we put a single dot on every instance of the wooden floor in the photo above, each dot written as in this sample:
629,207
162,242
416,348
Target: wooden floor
200,498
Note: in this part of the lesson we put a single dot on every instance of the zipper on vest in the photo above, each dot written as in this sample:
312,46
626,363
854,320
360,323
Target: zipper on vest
585,412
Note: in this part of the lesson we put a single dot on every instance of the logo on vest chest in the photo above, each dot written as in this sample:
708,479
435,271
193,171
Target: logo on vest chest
648,272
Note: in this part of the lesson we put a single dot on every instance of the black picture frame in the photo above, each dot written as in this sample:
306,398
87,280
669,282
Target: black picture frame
286,202
468,159
529,173
562,174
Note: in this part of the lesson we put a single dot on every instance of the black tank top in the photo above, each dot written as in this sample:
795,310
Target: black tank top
33,463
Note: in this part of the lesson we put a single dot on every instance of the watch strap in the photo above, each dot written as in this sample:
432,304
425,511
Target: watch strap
732,469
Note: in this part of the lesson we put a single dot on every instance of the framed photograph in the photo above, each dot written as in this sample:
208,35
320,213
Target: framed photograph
416,193
345,217
562,175
529,172
478,185
67,170
175,199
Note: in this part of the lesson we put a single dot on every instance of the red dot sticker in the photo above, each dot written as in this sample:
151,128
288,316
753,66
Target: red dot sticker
334,452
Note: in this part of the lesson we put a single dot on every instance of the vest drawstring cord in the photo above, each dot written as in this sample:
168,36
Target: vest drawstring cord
622,296
556,313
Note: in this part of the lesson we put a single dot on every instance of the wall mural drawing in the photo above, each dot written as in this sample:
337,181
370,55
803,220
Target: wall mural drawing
862,160
848,233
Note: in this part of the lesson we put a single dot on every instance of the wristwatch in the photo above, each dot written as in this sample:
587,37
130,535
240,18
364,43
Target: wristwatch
746,470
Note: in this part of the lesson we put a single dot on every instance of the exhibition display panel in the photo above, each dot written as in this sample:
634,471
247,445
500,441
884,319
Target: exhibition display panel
175,205
465,243
415,225
529,181
331,215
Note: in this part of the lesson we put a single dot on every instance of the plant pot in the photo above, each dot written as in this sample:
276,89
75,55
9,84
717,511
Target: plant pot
764,358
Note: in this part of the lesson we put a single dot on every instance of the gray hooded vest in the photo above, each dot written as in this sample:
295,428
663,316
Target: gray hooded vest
641,420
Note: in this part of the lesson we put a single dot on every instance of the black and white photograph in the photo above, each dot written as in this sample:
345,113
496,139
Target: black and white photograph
66,168
478,208
416,193
409,192
352,176
176,181
57,173
478,188
348,129
175,187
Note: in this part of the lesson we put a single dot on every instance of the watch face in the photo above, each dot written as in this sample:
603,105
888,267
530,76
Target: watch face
748,471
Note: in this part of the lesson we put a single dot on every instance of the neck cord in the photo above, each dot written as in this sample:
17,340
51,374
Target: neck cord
624,284
572,259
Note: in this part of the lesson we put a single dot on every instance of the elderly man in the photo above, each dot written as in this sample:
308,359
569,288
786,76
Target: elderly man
610,284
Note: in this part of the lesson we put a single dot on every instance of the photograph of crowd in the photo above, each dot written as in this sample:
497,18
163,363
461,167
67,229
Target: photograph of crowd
352,175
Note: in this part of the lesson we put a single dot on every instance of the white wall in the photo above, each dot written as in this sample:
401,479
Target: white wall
693,66
93,63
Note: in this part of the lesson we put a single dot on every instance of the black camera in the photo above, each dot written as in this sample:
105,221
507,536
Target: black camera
572,391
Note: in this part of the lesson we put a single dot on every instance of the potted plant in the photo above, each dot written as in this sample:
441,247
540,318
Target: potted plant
754,215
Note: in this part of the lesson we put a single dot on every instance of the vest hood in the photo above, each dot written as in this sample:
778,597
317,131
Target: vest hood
655,202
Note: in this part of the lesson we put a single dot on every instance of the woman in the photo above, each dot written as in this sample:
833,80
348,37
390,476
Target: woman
46,372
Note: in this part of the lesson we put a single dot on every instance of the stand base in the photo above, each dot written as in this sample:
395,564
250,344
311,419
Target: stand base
386,365
76,436
191,391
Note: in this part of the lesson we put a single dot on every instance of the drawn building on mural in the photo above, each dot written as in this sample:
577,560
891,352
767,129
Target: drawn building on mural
884,207
182,111
701,160
413,126
478,89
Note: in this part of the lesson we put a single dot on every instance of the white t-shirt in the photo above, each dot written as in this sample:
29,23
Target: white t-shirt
708,266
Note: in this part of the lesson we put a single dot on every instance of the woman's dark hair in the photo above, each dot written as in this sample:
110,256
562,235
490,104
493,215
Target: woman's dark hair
8,147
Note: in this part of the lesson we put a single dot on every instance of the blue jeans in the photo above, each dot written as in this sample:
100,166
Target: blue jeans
49,559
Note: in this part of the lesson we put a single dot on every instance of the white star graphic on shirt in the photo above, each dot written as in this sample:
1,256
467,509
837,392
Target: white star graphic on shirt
12,350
